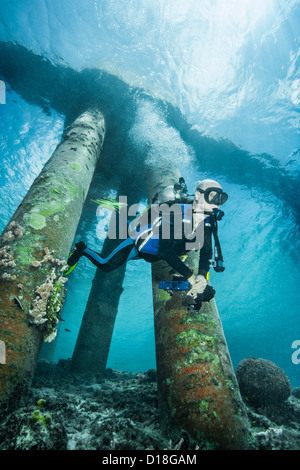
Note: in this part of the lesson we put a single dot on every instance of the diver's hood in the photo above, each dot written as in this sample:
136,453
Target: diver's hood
212,195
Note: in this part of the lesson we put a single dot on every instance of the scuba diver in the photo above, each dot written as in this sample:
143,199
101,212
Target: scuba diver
199,215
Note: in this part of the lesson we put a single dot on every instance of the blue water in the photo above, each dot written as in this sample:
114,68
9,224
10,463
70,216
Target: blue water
212,86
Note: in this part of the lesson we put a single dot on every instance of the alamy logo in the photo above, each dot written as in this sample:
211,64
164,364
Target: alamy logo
2,92
156,221
296,354
2,353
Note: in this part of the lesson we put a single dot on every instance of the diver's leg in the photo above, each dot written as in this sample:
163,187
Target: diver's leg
121,254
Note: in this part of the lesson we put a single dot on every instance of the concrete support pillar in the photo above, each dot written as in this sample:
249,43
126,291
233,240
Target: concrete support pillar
197,387
96,330
34,247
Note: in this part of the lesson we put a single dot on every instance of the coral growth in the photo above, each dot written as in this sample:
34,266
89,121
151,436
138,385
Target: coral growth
13,231
7,261
9,277
47,305
49,296
54,307
262,382
36,263
49,257
38,417
39,306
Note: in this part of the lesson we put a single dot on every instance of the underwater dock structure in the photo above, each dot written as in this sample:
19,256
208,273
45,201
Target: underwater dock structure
197,388
97,325
34,248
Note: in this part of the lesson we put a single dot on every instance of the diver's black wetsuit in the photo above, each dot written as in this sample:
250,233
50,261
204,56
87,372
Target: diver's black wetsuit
169,249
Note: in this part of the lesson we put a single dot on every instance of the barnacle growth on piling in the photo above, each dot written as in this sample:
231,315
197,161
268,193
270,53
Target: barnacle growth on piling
8,262
49,296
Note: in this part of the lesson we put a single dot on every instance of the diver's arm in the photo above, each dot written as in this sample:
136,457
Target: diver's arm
173,260
168,252
205,252
201,287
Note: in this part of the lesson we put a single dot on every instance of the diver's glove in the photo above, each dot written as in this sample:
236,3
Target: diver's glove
198,285
206,296
208,293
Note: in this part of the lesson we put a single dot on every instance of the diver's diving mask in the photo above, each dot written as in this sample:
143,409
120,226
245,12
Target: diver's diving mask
214,196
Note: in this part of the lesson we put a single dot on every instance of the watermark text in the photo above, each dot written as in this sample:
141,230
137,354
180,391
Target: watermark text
157,221
2,92
2,353
296,353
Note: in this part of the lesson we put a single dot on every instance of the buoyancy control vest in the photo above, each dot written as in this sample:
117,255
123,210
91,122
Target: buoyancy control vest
147,240
148,235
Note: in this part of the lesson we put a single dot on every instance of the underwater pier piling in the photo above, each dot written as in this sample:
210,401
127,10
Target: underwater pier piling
95,334
34,248
197,388
96,330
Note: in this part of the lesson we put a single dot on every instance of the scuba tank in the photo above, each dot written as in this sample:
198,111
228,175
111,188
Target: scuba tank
179,193
173,193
